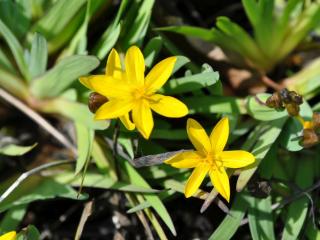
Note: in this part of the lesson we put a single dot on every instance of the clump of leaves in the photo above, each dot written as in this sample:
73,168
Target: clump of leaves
276,33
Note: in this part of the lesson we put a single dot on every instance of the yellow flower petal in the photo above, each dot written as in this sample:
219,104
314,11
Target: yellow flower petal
168,106
198,136
9,236
113,109
159,74
188,159
125,119
196,179
236,159
220,181
86,81
110,87
142,118
113,67
135,67
219,135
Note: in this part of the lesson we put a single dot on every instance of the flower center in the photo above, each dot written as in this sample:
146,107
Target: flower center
214,160
140,94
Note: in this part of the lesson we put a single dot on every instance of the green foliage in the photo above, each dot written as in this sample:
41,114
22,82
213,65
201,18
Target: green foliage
47,45
274,35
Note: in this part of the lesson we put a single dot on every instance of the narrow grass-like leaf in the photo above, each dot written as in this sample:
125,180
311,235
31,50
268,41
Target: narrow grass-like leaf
38,56
103,181
85,137
16,15
5,63
13,84
46,189
292,135
136,23
251,9
297,211
214,104
232,221
29,233
78,112
150,52
260,219
12,218
191,83
15,150
154,200
189,31
269,133
62,75
58,17
16,49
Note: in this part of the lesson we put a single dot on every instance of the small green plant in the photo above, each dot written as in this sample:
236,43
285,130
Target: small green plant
275,32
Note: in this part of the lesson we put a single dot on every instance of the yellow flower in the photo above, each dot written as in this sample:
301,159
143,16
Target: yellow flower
113,70
209,157
9,236
130,92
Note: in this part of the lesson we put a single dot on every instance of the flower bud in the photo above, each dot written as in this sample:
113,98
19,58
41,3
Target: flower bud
95,101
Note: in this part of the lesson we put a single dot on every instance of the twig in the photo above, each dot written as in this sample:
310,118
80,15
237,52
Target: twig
151,160
38,119
27,174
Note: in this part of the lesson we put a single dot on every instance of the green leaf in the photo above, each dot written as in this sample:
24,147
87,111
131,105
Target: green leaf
232,221
78,112
151,50
78,44
214,104
30,233
111,35
191,83
38,56
62,75
85,137
13,84
154,200
169,134
259,111
15,150
16,16
108,42
15,48
57,18
5,63
306,81
292,135
260,218
181,61
136,22
47,189
298,210
251,9
103,181
268,133
190,31
12,219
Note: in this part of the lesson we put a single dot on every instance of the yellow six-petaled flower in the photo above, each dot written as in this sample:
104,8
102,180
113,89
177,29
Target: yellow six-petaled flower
131,95
209,157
